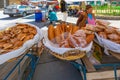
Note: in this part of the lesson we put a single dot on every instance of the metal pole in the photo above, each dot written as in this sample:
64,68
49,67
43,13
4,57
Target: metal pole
4,3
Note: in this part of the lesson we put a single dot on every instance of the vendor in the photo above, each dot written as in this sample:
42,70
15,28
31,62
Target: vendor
86,17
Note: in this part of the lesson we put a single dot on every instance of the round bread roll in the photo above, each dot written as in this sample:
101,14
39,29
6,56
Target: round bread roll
90,27
97,29
101,26
89,38
51,35
110,30
88,32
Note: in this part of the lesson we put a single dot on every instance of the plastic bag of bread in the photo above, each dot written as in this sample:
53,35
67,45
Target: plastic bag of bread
64,44
80,33
78,39
110,30
113,36
90,27
102,23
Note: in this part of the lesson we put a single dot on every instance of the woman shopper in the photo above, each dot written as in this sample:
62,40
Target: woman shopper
86,17
63,6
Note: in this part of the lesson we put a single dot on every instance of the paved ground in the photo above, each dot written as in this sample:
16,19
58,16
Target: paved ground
50,68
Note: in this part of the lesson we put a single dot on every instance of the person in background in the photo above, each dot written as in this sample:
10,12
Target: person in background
86,17
52,16
70,11
75,11
63,6
79,12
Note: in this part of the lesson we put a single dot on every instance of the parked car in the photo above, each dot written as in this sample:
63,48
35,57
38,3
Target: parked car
22,10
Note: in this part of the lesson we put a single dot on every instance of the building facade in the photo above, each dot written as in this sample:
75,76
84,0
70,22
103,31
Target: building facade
3,2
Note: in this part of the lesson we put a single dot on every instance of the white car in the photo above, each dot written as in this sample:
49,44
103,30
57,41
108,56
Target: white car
22,10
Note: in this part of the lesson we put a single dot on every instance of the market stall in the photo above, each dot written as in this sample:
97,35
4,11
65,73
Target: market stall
64,42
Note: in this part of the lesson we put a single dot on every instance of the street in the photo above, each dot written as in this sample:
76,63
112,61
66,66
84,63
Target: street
6,20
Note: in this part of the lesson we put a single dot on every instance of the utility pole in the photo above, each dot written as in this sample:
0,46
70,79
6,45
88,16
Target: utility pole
4,3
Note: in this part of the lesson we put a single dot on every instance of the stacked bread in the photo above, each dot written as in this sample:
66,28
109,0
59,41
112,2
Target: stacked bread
108,32
69,36
14,37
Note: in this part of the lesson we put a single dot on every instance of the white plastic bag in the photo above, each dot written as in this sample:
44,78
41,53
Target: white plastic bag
108,45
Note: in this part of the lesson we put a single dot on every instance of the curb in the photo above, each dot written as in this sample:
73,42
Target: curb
108,17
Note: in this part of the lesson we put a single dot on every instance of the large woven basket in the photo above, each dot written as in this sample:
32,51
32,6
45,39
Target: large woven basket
69,55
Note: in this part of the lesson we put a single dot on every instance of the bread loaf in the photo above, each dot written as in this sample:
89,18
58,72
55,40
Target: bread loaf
51,35
74,29
57,33
89,38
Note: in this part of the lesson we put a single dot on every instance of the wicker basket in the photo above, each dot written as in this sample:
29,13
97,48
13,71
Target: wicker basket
69,55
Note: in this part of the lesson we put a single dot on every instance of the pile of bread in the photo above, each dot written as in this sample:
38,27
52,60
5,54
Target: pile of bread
69,35
107,32
14,37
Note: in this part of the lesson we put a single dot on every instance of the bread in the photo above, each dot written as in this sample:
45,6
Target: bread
21,36
103,35
110,30
118,31
69,28
81,41
64,44
57,33
7,46
113,36
74,29
89,38
102,23
80,33
88,32
51,34
12,38
101,27
90,27
18,44
72,42
63,27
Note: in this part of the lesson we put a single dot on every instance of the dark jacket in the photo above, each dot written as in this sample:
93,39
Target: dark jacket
81,22
63,5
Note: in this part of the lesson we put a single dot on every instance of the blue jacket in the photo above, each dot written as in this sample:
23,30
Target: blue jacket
53,16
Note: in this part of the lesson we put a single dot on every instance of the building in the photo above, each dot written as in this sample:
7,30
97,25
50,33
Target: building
14,2
4,3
